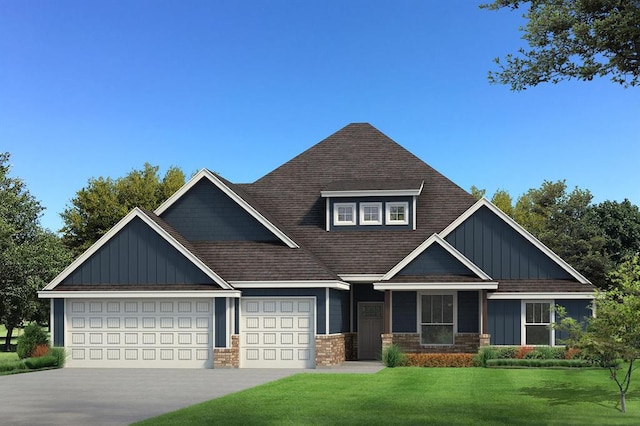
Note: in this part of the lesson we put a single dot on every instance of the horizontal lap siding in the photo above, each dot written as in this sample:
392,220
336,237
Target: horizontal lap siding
338,311
504,321
404,311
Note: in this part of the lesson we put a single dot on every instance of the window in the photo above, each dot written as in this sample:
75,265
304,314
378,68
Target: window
537,323
370,213
397,213
344,214
437,319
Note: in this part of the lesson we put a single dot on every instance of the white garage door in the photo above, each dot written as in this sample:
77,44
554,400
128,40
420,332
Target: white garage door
171,333
277,333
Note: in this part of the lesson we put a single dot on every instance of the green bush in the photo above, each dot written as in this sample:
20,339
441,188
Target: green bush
12,366
59,354
392,356
40,362
484,354
504,352
32,336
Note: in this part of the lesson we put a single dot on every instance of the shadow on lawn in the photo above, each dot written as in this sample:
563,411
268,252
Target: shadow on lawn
567,394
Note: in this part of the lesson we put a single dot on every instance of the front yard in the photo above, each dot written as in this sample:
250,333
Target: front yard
422,396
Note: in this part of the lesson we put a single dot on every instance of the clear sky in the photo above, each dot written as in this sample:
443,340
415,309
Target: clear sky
98,88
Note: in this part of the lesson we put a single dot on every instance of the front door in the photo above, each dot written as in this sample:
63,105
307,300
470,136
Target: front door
370,321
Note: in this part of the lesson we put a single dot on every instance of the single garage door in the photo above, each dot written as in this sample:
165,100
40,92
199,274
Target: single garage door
171,333
277,333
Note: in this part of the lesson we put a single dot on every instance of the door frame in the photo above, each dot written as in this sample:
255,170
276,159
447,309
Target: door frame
360,335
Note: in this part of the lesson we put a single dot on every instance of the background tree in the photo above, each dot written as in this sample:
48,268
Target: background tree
573,39
104,201
620,223
614,334
29,255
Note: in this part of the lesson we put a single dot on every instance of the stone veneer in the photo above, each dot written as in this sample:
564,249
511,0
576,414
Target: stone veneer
228,357
334,349
410,342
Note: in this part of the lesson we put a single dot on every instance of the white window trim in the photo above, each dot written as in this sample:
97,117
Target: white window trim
523,319
455,314
388,206
370,222
337,222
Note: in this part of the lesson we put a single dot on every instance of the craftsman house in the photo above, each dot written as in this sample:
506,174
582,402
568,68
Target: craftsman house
350,246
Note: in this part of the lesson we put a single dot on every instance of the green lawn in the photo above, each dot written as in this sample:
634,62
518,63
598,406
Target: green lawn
459,396
8,356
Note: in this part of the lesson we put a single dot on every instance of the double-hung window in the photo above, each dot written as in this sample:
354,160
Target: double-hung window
437,319
538,316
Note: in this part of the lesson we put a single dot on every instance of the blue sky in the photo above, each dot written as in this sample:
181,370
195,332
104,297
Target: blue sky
98,88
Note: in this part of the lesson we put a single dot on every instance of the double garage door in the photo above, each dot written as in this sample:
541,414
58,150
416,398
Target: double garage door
169,333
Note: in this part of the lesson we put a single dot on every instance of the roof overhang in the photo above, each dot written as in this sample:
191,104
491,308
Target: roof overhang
372,193
546,295
358,188
486,285
361,278
338,285
123,294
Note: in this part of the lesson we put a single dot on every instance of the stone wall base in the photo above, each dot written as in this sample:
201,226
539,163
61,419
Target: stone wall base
228,357
410,342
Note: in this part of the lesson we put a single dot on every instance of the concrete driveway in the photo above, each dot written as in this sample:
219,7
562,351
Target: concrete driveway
92,396
71,396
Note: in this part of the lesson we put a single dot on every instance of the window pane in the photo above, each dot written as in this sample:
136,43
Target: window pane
447,308
546,313
537,335
436,306
426,309
437,334
529,313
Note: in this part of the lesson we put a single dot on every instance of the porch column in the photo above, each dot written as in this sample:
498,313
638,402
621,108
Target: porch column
387,312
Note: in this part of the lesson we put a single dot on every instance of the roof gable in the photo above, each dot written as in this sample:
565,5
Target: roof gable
128,253
503,248
207,208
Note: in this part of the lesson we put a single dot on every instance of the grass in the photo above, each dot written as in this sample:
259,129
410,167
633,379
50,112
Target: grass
8,356
448,396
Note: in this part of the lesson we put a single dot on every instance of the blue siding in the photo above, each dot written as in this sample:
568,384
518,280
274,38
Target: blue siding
363,293
137,255
468,312
58,322
205,213
338,311
504,321
576,309
500,251
237,315
319,294
220,331
382,200
435,260
404,311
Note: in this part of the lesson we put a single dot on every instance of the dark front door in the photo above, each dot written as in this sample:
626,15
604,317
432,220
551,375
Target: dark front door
370,320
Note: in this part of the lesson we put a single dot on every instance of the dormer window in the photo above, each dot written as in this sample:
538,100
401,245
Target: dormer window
370,213
397,213
344,214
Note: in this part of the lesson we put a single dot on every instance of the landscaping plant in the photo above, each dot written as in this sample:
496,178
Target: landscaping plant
33,336
392,356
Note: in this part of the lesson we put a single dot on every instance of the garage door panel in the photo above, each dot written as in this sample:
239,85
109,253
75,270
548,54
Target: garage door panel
140,333
277,333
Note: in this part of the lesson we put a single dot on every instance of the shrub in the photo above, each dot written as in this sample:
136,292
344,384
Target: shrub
59,354
392,356
440,360
41,362
12,366
32,336
40,350
484,354
523,351
504,352
572,353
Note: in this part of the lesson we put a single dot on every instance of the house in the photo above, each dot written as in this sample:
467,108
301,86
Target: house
350,246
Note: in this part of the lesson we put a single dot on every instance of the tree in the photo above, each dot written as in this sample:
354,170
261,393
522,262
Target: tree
477,192
573,39
620,223
104,201
29,256
503,201
614,333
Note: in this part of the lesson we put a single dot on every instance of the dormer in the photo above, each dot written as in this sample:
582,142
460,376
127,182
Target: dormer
371,204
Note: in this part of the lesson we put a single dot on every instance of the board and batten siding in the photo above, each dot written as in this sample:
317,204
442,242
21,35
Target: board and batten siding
338,311
435,260
504,317
500,251
58,322
576,309
404,311
205,213
468,312
220,331
137,255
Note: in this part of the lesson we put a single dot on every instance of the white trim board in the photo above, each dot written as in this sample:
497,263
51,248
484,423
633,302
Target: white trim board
207,174
137,213
437,286
338,285
535,296
361,278
533,240
123,294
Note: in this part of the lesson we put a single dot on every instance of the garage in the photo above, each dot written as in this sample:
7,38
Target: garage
277,332
153,333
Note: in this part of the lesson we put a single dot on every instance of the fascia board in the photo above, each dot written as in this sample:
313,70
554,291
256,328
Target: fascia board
338,285
518,228
435,238
361,278
136,212
547,295
123,294
204,173
436,286
372,193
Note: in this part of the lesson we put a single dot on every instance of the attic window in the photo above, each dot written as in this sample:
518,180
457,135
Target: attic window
344,214
397,213
370,213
